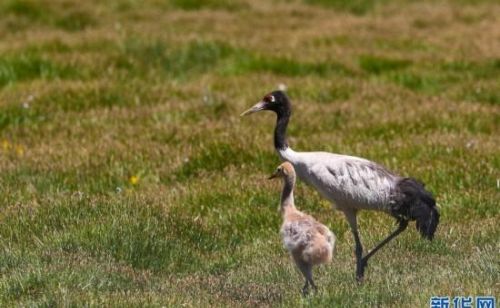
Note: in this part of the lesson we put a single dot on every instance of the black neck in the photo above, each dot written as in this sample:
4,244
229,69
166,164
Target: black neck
280,142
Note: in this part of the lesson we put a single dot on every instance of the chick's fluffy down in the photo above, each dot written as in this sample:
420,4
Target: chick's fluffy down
310,241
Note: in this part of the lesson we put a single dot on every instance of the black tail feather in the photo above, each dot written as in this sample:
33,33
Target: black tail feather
416,203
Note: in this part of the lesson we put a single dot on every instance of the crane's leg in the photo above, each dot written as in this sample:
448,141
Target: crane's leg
353,223
362,262
402,226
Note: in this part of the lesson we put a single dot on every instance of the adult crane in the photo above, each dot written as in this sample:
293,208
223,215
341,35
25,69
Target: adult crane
353,183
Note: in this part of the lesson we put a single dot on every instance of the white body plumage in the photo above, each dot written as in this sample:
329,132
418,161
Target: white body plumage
349,182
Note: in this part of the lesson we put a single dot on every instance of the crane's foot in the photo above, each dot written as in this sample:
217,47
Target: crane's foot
360,270
360,278
315,288
305,291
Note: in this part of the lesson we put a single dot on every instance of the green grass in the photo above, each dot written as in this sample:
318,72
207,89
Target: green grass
29,13
284,66
198,57
16,68
484,95
127,177
376,65
357,7
204,4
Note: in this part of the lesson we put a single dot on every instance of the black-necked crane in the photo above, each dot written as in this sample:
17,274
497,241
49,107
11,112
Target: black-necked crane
353,183
308,241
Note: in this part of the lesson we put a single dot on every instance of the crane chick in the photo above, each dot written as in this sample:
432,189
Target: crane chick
308,241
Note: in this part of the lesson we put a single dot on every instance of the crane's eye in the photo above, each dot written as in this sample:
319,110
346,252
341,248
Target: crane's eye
269,98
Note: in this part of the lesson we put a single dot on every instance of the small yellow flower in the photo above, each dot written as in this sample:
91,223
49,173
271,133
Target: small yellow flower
5,145
134,180
20,150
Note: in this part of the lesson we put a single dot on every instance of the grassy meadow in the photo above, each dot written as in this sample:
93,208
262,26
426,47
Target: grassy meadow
127,177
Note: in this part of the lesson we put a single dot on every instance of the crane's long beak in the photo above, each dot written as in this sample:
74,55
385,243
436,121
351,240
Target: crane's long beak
256,108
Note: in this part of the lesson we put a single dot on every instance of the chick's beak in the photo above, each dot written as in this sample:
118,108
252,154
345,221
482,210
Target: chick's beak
274,175
256,108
